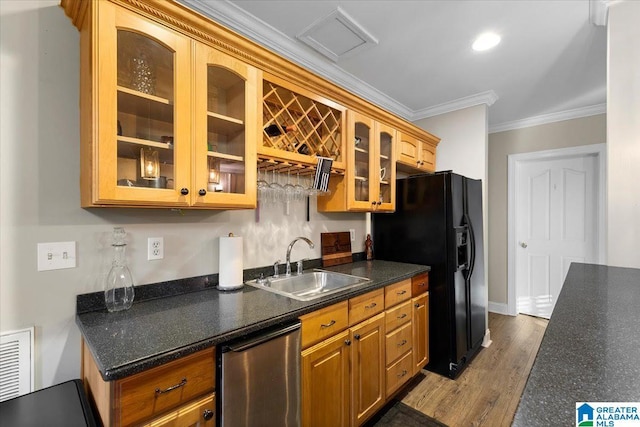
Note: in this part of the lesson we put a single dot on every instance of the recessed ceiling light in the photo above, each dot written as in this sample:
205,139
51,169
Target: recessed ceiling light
485,41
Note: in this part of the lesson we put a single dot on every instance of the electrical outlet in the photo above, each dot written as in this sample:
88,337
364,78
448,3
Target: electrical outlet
155,248
56,255
352,233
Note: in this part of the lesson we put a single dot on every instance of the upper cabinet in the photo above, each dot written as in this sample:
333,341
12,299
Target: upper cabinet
179,111
418,155
166,120
369,181
226,123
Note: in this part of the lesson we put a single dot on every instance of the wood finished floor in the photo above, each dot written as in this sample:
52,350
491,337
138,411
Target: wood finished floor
489,389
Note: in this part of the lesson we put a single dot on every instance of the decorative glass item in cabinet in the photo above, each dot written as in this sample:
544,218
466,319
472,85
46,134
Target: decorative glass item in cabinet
144,129
225,130
119,292
143,74
295,123
149,164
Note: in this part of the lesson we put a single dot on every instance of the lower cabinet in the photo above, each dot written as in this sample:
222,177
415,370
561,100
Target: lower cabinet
174,394
367,369
325,383
197,414
350,375
420,331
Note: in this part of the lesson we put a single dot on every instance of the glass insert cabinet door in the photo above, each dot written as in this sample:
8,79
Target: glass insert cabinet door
226,105
142,111
363,149
385,166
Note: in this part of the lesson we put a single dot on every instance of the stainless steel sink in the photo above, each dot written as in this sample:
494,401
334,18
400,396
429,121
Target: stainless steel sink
310,285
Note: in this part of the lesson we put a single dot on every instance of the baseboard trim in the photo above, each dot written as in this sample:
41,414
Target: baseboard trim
499,308
486,341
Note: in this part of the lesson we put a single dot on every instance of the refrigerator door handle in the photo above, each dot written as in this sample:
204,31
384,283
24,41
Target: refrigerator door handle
472,244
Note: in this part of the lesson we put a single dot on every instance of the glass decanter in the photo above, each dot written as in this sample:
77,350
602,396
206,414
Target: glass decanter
118,291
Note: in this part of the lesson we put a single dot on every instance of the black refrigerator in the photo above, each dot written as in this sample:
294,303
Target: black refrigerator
438,222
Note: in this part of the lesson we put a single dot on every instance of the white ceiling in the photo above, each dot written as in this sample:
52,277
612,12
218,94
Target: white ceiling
551,62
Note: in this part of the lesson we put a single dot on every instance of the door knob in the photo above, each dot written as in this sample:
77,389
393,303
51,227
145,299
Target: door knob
523,244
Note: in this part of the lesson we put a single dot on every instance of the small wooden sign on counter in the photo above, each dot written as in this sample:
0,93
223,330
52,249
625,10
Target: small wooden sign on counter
336,248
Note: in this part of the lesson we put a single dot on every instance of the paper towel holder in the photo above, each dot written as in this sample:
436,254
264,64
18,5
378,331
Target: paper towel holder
230,275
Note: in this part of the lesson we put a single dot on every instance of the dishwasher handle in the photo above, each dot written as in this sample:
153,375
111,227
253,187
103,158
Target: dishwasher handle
252,342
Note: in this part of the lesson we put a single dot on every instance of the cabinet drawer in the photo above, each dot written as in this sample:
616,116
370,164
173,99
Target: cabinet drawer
151,393
364,306
398,315
200,413
324,323
419,284
399,342
399,373
397,293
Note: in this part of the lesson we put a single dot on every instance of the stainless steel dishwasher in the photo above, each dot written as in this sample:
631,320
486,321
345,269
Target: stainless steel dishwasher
259,379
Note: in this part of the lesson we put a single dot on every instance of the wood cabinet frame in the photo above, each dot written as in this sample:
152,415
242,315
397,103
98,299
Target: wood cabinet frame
179,19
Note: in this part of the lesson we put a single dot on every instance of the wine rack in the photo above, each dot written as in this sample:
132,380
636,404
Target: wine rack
317,124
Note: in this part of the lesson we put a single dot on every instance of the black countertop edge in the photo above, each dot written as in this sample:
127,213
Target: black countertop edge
589,351
111,372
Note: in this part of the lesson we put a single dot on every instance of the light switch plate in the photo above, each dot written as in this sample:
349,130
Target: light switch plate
352,233
56,255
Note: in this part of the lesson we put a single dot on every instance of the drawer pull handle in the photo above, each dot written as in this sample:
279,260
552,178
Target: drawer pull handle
401,343
173,387
422,284
403,316
207,414
404,372
373,304
401,293
328,325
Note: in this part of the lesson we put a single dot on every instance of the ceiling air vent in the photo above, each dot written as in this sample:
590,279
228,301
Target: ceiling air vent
337,36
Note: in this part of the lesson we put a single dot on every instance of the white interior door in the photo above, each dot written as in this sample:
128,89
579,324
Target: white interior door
556,224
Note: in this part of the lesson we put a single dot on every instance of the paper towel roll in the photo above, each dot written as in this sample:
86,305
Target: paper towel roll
230,276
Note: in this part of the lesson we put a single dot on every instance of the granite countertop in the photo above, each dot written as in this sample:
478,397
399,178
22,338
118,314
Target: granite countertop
157,331
590,348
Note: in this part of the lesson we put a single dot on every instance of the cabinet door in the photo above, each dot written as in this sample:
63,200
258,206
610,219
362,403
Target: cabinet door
408,150
362,142
385,171
226,121
420,331
367,368
200,413
140,138
325,383
427,157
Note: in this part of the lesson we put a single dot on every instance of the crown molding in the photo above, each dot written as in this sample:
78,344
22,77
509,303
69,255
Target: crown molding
488,98
550,118
242,22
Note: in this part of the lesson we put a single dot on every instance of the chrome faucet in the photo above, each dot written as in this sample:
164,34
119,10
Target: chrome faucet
309,242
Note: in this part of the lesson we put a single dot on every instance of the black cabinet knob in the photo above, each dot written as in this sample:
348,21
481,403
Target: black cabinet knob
207,414
347,342
202,192
357,336
184,191
378,203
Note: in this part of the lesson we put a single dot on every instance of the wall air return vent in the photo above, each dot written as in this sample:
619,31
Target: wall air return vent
337,36
16,363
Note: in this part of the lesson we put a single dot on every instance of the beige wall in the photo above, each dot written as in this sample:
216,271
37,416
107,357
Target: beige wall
569,133
623,134
40,200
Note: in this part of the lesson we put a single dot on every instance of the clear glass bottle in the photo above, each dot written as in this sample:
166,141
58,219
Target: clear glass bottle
118,291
